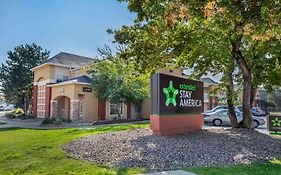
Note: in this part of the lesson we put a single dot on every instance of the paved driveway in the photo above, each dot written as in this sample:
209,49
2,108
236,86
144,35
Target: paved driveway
28,123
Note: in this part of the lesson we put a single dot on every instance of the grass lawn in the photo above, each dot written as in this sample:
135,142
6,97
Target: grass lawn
269,168
28,151
275,113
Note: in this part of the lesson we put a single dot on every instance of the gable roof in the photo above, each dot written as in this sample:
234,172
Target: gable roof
69,60
209,81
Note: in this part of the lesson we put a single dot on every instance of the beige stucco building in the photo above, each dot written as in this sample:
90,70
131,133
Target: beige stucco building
62,89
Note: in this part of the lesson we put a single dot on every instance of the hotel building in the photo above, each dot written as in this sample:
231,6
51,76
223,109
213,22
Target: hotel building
62,89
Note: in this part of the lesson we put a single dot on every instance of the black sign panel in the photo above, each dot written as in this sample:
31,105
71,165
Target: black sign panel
87,89
274,123
175,95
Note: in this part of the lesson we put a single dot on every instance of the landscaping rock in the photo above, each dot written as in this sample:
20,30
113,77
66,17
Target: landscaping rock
139,148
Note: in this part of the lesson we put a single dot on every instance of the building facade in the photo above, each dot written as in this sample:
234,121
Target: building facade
212,95
62,89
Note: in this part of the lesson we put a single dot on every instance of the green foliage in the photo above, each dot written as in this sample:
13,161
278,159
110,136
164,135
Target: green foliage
269,168
208,36
200,35
273,100
116,81
55,121
29,151
18,113
16,75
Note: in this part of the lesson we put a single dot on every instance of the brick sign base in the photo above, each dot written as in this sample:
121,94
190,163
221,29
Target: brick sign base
274,123
176,124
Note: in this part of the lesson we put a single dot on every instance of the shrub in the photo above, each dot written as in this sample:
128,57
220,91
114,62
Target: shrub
58,121
10,115
48,121
18,113
53,120
66,120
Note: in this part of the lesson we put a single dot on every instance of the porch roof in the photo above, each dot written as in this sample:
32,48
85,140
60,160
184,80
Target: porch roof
84,80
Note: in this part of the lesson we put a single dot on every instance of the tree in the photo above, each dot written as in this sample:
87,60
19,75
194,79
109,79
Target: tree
273,100
16,75
209,36
114,80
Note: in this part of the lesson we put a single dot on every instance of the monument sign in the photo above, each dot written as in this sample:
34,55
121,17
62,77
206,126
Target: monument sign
177,105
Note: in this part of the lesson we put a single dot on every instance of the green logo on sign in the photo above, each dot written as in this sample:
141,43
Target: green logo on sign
276,122
173,92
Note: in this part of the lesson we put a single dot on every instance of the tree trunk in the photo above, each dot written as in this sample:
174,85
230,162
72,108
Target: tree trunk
230,105
253,96
247,115
247,83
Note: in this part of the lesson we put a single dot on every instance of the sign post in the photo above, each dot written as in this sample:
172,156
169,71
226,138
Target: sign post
176,105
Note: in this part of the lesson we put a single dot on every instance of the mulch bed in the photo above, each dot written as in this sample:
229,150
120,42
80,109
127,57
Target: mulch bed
139,148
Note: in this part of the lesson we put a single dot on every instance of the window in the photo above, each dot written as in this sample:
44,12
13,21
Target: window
137,109
206,97
224,114
60,78
113,109
238,114
41,101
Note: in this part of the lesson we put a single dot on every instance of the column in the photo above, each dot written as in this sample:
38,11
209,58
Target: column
129,111
74,109
54,108
102,110
48,96
35,89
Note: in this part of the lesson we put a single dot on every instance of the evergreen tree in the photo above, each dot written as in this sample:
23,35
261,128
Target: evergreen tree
16,75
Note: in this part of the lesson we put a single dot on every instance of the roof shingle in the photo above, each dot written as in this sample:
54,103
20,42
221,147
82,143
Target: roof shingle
71,60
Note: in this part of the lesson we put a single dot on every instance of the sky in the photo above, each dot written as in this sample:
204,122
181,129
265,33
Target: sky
74,26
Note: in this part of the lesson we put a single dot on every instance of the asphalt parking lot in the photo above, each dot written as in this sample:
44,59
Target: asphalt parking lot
262,128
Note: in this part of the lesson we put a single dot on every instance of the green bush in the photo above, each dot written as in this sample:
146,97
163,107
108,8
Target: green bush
10,115
18,113
53,120
66,120
48,121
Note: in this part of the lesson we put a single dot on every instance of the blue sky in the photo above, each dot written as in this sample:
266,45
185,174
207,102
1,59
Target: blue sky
75,26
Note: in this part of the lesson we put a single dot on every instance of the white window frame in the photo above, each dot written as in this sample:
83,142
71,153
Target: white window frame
122,108
207,97
41,100
61,78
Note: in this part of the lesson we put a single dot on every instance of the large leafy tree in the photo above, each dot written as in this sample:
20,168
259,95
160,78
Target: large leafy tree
273,100
115,80
16,75
209,36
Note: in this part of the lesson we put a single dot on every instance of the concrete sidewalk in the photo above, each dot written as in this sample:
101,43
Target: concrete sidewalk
36,124
176,172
